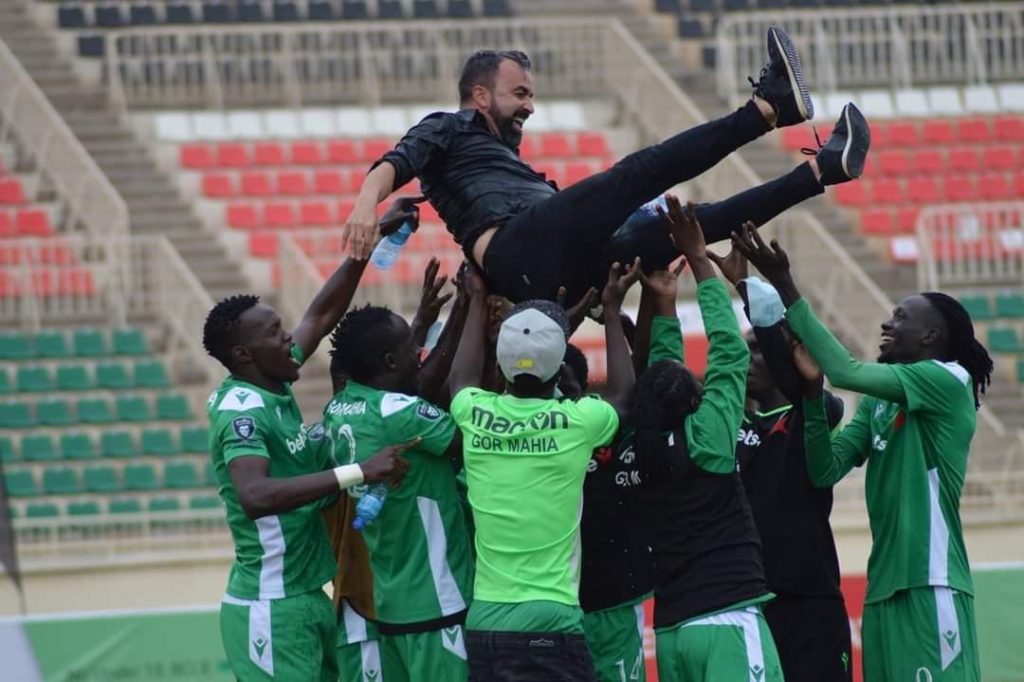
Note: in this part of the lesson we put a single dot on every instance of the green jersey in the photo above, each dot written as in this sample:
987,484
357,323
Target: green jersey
419,545
525,463
914,430
280,555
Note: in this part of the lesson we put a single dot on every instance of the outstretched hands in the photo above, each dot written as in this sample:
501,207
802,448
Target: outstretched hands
770,259
577,312
619,282
663,283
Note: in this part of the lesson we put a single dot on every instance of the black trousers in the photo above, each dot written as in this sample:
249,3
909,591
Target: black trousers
812,636
528,657
571,238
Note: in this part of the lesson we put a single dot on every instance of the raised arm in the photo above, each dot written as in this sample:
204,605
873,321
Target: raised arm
468,365
431,302
620,365
435,369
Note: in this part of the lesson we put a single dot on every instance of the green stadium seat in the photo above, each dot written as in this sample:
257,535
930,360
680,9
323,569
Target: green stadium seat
195,439
113,376
1010,304
151,374
16,346
5,382
159,442
87,508
20,483
101,479
140,477
124,505
133,409
7,453
38,448
180,475
12,512
173,406
77,446
34,379
52,344
210,475
130,341
204,502
54,412
89,343
94,411
42,510
1003,340
1020,371
164,504
16,415
61,481
117,444
74,378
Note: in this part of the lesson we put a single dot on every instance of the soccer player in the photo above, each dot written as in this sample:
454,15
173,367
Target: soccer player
276,621
914,429
807,618
528,237
526,455
709,583
419,545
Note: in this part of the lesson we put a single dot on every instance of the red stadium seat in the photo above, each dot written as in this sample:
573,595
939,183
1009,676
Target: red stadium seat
576,171
555,146
973,130
242,216
852,194
11,254
315,213
593,144
373,149
33,222
75,282
345,209
9,287
797,137
279,214
1009,128
938,131
428,214
928,161
528,147
999,158
893,162
964,159
330,182
887,192
959,188
1018,185
256,184
879,134
551,171
11,191
902,134
268,154
994,187
196,156
876,221
923,190
906,220
307,153
342,151
6,224
55,254
218,186
232,155
292,183
263,244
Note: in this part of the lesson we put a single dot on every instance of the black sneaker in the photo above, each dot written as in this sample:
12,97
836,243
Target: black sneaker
782,81
842,157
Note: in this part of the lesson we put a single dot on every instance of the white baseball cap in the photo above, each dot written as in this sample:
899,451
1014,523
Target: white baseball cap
530,342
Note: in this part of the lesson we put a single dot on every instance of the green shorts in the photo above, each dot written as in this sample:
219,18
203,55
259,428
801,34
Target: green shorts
615,638
924,634
358,647
732,646
438,655
280,639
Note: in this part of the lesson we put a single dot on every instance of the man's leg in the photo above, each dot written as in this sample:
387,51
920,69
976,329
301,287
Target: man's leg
435,655
359,658
615,637
528,657
812,635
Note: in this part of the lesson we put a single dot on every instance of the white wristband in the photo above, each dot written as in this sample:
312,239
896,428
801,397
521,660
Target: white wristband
348,475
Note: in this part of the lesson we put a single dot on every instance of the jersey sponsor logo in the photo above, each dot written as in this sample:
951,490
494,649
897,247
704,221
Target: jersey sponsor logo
879,444
781,426
757,671
749,438
298,443
627,479
336,409
245,427
371,675
548,419
428,411
316,432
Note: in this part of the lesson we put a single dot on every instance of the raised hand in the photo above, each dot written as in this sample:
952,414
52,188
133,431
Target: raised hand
809,371
663,283
619,282
431,300
771,260
401,210
684,228
388,464
361,232
577,312
734,265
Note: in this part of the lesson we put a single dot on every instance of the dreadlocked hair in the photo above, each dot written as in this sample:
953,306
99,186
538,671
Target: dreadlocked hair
220,331
576,360
962,346
359,342
663,393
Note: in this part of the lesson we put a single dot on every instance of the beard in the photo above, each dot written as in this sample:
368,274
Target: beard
507,130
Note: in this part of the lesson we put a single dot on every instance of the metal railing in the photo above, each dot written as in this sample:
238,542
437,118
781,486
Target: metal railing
89,201
881,47
971,245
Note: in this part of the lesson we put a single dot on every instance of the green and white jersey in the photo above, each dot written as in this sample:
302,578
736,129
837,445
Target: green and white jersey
419,546
285,554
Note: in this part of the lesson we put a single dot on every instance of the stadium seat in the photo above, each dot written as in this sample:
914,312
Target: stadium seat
994,187
593,144
959,188
150,374
249,11
113,376
285,10
902,134
937,131
132,409
76,446
42,510
38,448
242,216
89,343
887,191
1004,340
195,439
173,406
307,153
460,9
906,219
61,481
330,182
197,502
16,415
979,307
999,158
892,162
1009,128
232,155
180,475
101,479
981,99
117,444
555,146
85,508
130,341
268,154
1010,304
196,157
923,190
315,123
209,474
210,125
373,149
71,17
51,344
142,15
342,152
319,10
293,183
263,244
16,346
496,8
32,222
124,505
158,442
34,379
94,411
964,159
5,382
279,214
928,161
20,483
256,184
11,191
7,453
282,124
218,186
54,413
315,213
140,477
973,130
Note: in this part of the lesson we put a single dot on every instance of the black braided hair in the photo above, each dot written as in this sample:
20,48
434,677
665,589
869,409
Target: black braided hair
666,391
359,342
961,345
220,331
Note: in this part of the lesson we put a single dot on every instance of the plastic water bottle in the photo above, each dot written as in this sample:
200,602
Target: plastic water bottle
643,235
369,506
646,214
386,253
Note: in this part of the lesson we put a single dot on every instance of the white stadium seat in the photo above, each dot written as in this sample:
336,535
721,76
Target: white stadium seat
282,124
175,126
912,102
945,101
876,104
418,112
981,99
832,105
389,121
318,122
567,116
353,121
245,125
1011,97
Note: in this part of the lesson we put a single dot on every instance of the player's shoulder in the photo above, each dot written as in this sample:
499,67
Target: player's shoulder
393,404
231,399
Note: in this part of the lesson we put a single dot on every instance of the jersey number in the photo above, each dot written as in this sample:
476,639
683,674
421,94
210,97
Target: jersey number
634,674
